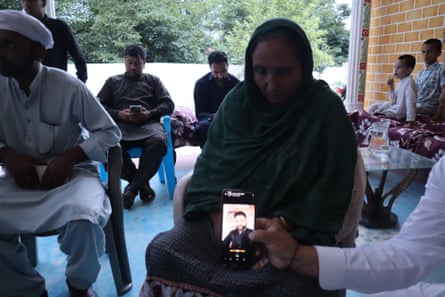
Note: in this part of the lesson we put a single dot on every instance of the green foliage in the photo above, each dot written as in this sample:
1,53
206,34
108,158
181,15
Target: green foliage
183,31
102,27
10,4
337,37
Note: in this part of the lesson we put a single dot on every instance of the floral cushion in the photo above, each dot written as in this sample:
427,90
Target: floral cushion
183,122
425,137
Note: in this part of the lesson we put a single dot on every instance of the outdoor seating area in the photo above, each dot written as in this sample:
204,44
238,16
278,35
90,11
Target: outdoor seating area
143,222
176,179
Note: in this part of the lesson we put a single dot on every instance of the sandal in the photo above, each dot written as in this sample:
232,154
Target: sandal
147,194
128,198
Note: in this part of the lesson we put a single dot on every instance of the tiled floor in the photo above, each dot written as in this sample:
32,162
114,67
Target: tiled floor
143,222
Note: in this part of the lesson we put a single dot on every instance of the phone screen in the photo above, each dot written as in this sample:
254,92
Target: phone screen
237,221
135,108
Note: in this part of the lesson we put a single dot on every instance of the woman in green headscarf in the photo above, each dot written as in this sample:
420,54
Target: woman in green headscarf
284,136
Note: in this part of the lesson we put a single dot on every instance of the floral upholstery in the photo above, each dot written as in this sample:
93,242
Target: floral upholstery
425,137
183,122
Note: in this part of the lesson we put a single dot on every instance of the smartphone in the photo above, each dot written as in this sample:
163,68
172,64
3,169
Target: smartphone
135,108
237,221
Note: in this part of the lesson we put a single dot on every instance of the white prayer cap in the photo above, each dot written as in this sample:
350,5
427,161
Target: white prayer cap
27,26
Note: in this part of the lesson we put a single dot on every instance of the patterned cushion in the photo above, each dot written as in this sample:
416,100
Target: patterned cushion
425,137
183,122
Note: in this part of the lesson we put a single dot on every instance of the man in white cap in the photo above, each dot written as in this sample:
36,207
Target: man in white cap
44,113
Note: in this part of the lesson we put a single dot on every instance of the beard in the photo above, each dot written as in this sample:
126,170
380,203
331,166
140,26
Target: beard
16,70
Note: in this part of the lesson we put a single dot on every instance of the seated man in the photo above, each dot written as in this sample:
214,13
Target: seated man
38,128
137,101
209,92
431,79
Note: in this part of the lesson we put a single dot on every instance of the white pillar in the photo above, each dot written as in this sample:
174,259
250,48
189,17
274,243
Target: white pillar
50,8
358,53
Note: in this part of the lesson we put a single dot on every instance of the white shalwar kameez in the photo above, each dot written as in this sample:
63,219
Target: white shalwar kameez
401,262
43,125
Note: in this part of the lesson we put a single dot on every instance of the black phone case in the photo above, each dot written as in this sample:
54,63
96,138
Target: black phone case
238,208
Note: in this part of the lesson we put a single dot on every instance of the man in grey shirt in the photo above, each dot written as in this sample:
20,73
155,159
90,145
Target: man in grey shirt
137,101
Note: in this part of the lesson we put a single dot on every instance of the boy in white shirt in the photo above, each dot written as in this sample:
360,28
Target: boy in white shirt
402,102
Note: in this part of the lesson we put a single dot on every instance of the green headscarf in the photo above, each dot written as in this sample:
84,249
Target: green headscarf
298,157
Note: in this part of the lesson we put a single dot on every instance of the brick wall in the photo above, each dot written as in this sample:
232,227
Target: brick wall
397,28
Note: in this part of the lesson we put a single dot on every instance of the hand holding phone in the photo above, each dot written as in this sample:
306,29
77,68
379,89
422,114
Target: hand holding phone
237,221
135,108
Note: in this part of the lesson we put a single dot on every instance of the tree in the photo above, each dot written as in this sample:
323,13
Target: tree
102,27
166,28
170,33
304,12
337,37
183,31
10,4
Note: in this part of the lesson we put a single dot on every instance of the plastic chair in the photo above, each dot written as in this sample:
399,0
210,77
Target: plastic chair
166,171
114,230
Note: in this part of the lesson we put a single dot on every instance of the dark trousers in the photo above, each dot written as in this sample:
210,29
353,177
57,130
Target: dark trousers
153,150
200,133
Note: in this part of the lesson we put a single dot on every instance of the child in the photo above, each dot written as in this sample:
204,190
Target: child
431,79
439,116
402,102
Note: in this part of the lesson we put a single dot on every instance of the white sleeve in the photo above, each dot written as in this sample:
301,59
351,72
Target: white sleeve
399,262
411,99
103,131
421,289
392,97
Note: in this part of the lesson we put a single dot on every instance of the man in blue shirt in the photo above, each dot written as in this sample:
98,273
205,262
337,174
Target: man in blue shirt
209,92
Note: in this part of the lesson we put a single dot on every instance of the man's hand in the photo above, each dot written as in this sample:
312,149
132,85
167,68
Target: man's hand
60,169
438,117
57,173
135,117
21,167
282,250
279,245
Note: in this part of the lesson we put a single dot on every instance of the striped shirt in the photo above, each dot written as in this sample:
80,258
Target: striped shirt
430,81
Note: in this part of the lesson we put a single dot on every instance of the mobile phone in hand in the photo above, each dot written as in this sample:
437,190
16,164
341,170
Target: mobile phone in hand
135,108
237,221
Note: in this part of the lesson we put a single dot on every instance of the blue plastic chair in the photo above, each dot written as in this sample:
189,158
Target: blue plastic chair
166,171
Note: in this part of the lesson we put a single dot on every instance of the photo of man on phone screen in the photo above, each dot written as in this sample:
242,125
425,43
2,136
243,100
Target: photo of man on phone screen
238,238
